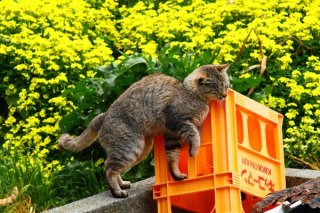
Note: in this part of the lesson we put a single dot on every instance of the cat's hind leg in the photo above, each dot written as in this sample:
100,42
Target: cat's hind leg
173,146
122,156
112,179
146,151
123,184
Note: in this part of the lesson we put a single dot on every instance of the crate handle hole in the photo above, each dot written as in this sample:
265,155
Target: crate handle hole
239,120
271,140
254,130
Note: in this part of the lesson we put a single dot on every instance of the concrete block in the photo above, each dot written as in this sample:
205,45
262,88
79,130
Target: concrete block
139,201
140,197
296,177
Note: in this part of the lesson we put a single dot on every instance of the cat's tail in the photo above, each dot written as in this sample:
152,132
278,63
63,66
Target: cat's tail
11,198
86,138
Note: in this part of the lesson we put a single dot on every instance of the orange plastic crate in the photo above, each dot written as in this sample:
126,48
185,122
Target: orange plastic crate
239,162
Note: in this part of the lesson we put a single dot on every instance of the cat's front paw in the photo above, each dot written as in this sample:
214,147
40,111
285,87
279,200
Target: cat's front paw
180,176
125,185
120,193
193,151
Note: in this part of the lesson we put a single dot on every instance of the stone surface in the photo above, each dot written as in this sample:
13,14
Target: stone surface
140,197
139,201
296,177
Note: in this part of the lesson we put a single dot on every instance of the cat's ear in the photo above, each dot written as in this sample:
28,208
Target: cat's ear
222,67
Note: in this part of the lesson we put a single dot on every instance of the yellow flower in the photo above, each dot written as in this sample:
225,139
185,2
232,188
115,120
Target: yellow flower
6,79
150,48
76,66
292,114
49,120
32,121
285,60
42,113
43,153
3,49
11,86
53,66
99,162
308,106
62,77
296,74
10,121
91,74
21,67
34,95
246,75
58,101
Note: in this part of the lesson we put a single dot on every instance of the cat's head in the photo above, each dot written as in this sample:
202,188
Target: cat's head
211,82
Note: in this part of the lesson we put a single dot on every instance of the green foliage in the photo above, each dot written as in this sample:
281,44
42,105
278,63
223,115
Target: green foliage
38,190
297,97
84,179
28,177
94,95
177,62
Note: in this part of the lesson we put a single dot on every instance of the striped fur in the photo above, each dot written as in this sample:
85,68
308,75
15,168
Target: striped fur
157,104
11,198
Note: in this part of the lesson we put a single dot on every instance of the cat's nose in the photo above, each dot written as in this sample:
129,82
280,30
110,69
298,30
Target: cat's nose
224,95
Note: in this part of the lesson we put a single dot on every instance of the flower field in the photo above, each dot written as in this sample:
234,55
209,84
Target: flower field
63,62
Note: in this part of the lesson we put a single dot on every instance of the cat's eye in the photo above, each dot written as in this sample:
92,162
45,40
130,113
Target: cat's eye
206,81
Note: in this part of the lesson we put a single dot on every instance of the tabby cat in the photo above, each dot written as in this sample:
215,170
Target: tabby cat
157,104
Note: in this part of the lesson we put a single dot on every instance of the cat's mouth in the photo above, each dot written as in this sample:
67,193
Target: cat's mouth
216,97
223,97
220,97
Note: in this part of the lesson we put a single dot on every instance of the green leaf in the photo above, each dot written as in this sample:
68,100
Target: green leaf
69,121
258,96
136,64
